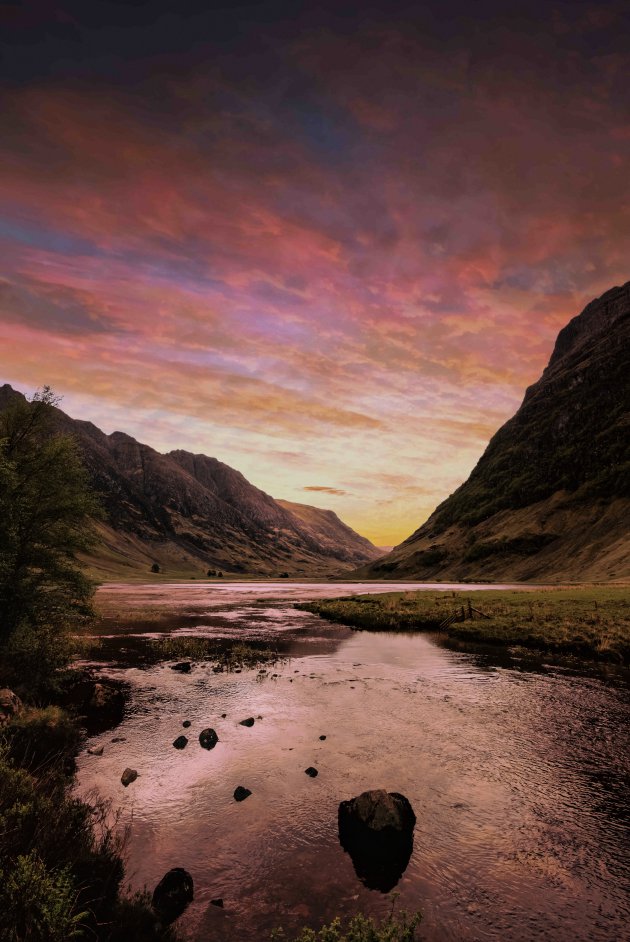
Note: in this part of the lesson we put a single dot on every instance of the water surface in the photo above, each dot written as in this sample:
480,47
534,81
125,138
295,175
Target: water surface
517,770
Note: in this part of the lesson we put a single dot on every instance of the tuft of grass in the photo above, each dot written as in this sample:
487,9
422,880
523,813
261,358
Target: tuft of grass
592,622
359,928
235,657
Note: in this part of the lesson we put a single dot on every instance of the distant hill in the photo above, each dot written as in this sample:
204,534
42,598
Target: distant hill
190,513
550,497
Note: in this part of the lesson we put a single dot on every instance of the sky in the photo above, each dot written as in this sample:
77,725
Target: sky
330,245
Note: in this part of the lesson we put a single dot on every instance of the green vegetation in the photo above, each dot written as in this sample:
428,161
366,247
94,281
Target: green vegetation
46,509
61,866
359,929
590,622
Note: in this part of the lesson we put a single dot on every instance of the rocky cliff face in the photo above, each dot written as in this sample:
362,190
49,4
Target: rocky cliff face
550,497
190,512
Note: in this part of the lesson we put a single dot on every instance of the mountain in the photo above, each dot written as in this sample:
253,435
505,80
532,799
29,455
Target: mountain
190,512
549,499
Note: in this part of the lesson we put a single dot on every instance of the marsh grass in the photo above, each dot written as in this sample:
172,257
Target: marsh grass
592,622
235,657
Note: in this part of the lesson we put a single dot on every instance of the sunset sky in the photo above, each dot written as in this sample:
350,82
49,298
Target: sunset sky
328,245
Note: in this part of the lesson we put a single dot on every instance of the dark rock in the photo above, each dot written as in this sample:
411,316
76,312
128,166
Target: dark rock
10,706
173,894
217,902
376,829
186,724
248,722
106,706
184,667
100,702
128,776
181,742
223,716
95,750
240,793
322,738
208,738
311,772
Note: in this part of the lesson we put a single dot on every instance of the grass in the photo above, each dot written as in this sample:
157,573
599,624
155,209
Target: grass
360,928
234,657
593,622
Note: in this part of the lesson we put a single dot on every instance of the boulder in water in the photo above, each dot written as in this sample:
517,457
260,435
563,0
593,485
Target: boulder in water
208,738
173,894
128,776
376,829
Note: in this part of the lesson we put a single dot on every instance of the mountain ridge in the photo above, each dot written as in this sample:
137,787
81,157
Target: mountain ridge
183,510
549,499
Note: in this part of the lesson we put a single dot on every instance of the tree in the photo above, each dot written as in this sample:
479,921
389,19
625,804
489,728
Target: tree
46,509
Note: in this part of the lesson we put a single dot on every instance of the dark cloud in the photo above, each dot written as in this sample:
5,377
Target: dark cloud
52,308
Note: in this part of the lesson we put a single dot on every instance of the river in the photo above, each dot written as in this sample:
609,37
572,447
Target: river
517,770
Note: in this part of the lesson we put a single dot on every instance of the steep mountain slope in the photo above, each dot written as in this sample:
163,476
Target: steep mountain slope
327,529
190,512
550,497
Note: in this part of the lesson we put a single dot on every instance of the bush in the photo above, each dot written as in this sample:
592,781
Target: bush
38,905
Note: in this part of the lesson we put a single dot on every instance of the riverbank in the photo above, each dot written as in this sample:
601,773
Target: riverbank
591,622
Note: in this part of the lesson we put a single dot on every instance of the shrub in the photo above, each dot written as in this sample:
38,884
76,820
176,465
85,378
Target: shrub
38,905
